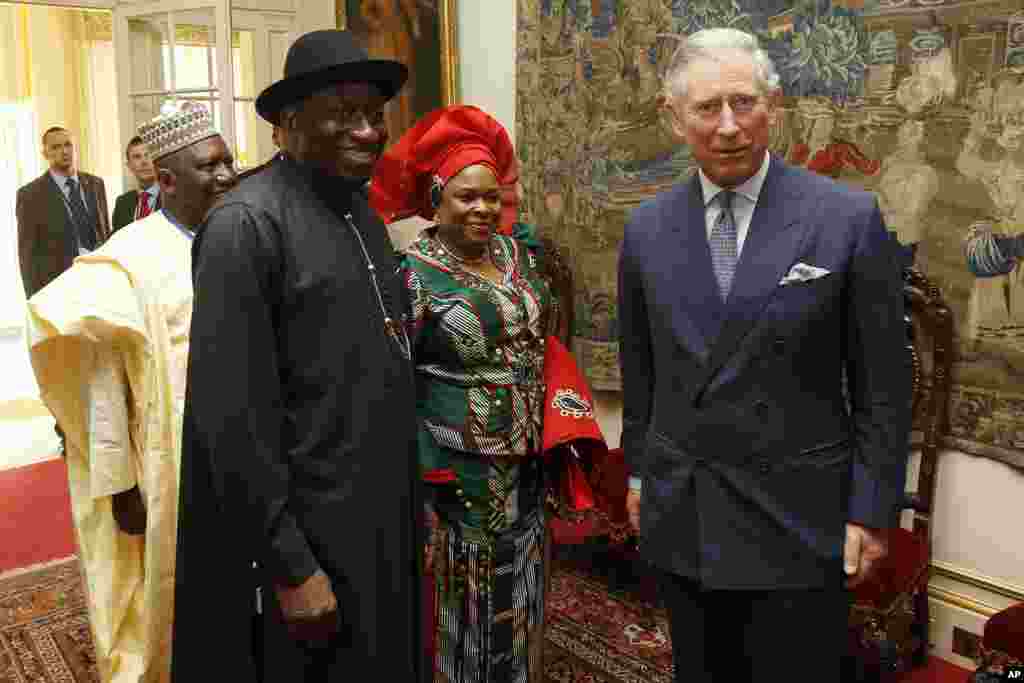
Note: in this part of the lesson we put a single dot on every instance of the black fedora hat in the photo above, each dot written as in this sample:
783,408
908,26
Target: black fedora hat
320,58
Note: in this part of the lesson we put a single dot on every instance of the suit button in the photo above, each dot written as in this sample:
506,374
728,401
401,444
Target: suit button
764,467
779,346
761,408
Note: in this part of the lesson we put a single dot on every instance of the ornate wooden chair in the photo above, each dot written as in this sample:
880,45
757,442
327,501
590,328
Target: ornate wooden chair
555,269
614,554
889,620
1002,646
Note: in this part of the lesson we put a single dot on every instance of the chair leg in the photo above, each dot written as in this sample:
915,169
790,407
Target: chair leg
921,629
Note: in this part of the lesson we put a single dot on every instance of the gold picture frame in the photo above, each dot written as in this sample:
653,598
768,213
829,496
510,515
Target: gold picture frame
404,30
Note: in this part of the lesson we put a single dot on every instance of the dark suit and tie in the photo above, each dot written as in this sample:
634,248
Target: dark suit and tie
746,295
61,214
55,223
133,205
136,204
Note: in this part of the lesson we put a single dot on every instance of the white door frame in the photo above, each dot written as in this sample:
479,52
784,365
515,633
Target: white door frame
263,23
126,10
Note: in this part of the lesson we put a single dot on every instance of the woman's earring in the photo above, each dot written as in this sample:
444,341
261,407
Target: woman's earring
436,189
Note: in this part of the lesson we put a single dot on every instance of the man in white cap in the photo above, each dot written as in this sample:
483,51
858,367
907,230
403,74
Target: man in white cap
109,345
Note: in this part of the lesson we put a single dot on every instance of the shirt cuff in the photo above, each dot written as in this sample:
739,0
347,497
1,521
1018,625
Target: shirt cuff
636,483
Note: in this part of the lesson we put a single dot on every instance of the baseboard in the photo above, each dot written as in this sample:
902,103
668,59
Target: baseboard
949,611
961,601
976,579
964,599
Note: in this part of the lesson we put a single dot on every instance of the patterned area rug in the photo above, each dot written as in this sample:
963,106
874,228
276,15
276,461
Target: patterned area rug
44,627
594,636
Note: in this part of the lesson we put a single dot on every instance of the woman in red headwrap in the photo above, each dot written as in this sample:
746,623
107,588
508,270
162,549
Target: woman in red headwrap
479,317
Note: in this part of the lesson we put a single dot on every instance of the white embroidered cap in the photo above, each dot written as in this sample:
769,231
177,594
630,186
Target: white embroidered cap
176,128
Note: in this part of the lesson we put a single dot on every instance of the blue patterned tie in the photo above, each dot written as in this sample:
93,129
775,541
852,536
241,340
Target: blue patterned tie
723,244
83,221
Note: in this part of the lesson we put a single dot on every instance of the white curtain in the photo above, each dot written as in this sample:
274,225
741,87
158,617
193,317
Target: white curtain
56,68
20,162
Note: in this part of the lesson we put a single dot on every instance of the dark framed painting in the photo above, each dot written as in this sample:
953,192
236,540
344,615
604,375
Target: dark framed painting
421,35
918,101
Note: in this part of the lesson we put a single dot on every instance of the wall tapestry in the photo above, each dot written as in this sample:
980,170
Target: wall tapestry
421,35
920,101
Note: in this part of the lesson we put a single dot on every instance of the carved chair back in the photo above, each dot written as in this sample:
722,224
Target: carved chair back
556,270
930,337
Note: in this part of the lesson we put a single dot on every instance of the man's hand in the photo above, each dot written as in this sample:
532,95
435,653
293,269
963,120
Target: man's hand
633,510
310,610
130,511
864,550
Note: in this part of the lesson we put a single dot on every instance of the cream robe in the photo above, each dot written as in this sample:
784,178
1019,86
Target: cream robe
109,345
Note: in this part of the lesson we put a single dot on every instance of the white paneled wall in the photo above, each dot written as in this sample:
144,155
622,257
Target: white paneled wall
487,56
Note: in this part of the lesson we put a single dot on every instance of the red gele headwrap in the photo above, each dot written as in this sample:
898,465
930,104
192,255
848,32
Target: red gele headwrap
441,145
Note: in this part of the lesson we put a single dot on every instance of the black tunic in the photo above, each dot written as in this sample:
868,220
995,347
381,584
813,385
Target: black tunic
299,435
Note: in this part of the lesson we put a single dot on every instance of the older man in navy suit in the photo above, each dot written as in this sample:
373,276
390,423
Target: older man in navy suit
766,385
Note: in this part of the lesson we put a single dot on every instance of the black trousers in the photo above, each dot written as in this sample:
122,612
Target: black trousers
736,636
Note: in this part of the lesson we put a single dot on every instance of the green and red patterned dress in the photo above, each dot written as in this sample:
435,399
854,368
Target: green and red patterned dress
479,353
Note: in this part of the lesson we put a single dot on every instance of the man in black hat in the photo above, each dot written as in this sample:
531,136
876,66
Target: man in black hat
299,426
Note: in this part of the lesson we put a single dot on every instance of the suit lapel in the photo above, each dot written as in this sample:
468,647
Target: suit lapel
90,196
85,183
58,201
60,221
772,243
132,201
697,312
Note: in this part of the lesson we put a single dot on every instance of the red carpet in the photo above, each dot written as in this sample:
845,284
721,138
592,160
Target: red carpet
35,515
937,671
597,635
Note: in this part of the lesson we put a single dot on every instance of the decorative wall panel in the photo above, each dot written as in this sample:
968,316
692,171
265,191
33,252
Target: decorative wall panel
919,101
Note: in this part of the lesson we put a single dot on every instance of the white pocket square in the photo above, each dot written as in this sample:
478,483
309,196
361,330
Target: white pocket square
802,272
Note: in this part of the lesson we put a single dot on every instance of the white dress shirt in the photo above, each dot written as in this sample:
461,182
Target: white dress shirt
742,210
742,205
62,183
153,191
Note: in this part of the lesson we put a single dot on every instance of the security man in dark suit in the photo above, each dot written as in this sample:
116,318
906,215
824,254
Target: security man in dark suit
61,214
136,204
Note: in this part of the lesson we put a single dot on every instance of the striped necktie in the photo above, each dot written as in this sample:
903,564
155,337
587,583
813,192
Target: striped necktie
723,244
83,221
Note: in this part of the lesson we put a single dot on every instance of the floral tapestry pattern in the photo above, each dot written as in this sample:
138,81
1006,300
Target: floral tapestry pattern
919,101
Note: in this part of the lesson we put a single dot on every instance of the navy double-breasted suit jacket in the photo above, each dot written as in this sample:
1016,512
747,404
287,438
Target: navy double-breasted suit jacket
753,455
